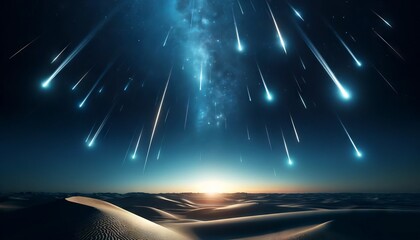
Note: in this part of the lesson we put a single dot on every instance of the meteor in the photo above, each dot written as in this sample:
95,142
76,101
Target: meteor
96,84
249,95
389,45
75,86
137,144
383,20
269,97
301,99
167,36
55,59
186,114
289,160
282,43
157,119
386,80
98,131
158,155
167,114
90,133
268,137
303,64
252,5
73,54
324,64
358,153
240,6
359,64
297,83
23,48
247,133
128,84
128,149
294,128
297,13
240,49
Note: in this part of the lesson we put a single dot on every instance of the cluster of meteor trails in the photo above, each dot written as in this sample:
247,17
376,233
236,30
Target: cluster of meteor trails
280,42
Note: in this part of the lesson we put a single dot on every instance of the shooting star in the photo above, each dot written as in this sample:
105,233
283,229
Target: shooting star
157,119
297,13
383,19
23,48
252,5
386,80
240,49
282,43
98,131
74,53
96,84
64,49
247,133
389,45
240,6
167,37
303,64
358,153
90,133
268,137
269,97
80,80
301,99
324,64
294,128
249,95
289,160
358,63
137,144
201,75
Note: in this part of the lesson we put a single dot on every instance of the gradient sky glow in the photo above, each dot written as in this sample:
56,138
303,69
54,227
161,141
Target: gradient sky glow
43,131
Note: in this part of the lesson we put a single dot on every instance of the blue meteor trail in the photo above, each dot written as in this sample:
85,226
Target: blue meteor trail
75,52
324,64
289,160
282,43
358,153
137,144
269,97
80,80
359,64
55,59
383,19
294,128
98,131
157,119
96,84
237,32
167,36
297,13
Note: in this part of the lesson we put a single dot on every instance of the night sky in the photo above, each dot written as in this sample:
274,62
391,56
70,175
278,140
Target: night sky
84,121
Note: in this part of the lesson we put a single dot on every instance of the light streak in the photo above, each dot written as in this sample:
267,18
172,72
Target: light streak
282,43
157,120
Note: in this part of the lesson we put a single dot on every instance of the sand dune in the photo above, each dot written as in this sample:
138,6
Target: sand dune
82,218
345,224
200,216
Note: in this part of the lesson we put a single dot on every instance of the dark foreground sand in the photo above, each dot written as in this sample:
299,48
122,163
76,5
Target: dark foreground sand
201,216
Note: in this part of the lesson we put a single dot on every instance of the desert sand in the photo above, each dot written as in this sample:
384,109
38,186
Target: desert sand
203,216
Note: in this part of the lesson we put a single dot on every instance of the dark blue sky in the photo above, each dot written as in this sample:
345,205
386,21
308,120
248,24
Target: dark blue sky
43,130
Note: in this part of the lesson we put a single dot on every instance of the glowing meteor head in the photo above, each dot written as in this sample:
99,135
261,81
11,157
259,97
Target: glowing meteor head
359,154
90,144
269,97
133,156
45,84
345,94
359,64
290,162
240,48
